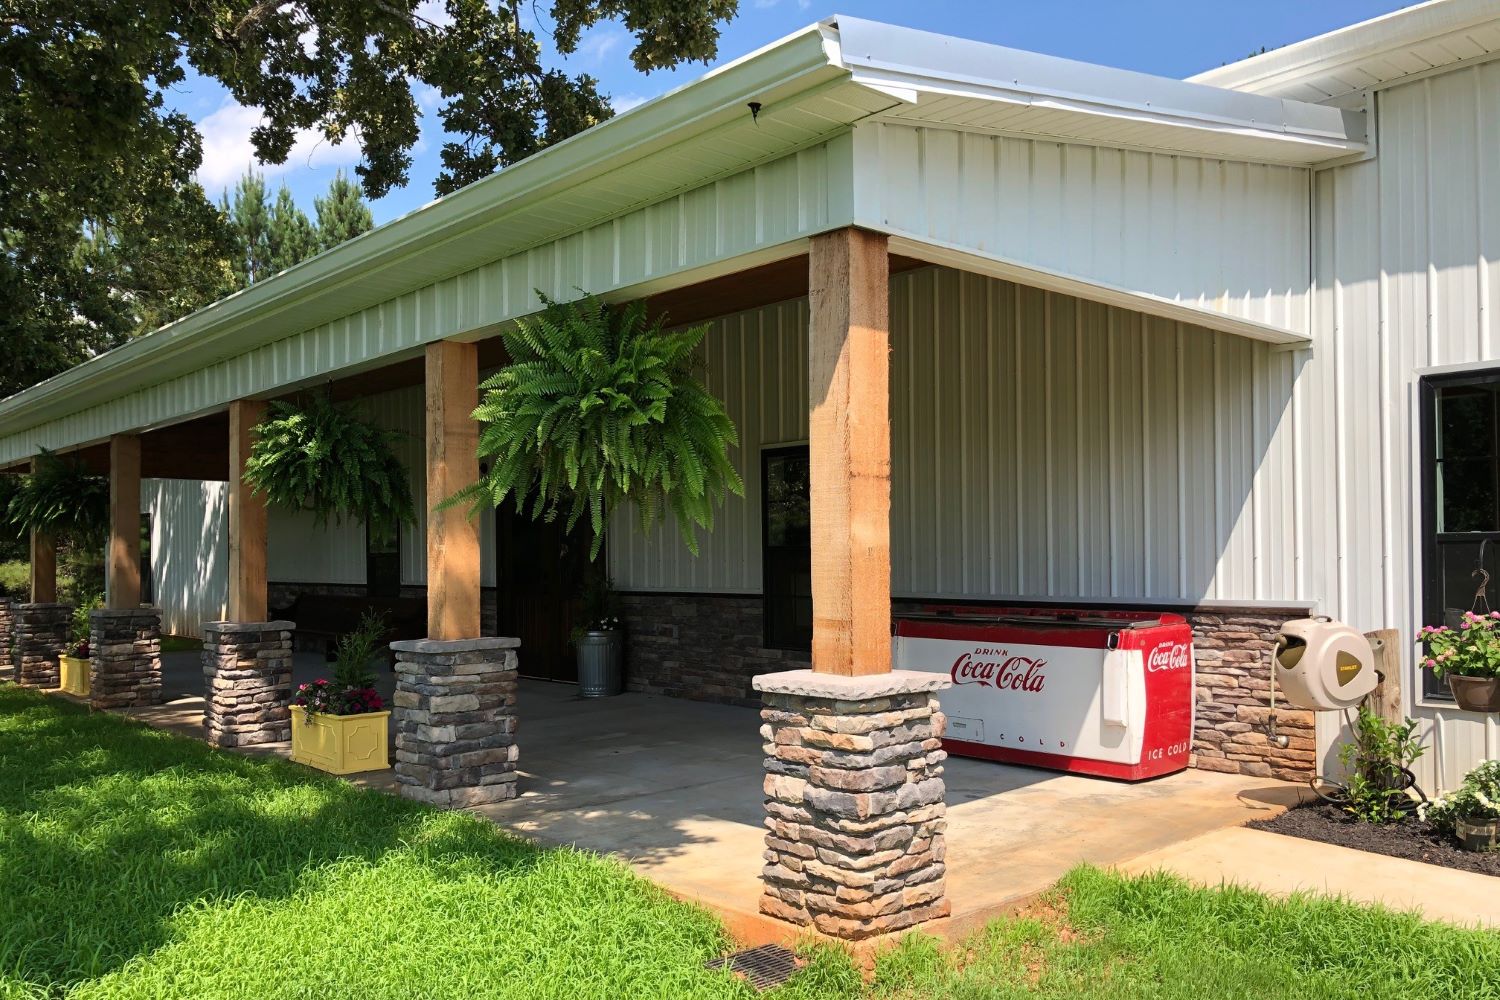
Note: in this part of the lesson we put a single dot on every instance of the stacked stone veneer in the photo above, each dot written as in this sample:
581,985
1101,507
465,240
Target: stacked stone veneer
247,670
455,714
7,636
41,637
1233,682
707,647
855,808
124,657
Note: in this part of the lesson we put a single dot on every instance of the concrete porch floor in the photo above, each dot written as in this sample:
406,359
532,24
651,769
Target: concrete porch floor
674,788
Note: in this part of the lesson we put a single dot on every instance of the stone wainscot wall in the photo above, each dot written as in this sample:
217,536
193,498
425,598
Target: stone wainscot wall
710,647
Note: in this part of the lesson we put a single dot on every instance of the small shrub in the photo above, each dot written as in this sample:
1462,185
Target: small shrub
1478,798
15,579
78,627
1378,761
352,690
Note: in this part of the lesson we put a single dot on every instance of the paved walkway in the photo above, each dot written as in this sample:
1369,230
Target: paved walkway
674,787
1281,865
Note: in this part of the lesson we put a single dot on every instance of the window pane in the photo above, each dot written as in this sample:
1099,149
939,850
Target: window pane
787,520
1466,460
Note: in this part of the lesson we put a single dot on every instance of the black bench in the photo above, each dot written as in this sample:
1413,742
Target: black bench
322,618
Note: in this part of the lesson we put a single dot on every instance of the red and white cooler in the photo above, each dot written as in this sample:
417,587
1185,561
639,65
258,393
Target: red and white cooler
1107,693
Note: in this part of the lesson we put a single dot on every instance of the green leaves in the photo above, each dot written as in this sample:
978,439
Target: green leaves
599,407
321,457
60,497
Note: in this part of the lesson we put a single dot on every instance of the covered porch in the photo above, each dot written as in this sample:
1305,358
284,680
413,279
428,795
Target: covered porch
672,787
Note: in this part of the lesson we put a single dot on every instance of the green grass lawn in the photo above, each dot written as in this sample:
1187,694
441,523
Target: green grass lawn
138,864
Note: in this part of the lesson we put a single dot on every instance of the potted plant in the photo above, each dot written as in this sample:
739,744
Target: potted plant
73,666
1469,658
600,642
341,726
1471,813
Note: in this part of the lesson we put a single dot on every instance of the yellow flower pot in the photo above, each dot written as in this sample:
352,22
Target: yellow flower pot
340,744
73,674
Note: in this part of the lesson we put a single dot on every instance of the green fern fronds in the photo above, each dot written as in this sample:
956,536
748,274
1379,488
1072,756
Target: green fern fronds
600,406
321,457
60,497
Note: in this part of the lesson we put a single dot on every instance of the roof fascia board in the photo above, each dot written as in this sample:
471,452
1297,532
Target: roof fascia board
802,60
1343,47
908,63
966,259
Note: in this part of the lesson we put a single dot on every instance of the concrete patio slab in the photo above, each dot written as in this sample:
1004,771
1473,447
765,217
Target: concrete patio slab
1280,865
674,788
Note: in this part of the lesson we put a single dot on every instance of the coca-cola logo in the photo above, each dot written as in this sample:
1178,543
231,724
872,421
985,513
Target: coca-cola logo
1168,656
998,669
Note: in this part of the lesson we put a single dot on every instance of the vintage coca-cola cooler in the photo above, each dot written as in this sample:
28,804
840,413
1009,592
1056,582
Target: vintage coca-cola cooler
1108,693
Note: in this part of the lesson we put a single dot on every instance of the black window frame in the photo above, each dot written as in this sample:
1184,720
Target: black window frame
372,589
1428,387
774,633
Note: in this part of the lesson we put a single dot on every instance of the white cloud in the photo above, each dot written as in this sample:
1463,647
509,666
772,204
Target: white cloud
624,102
435,11
597,43
227,152
768,4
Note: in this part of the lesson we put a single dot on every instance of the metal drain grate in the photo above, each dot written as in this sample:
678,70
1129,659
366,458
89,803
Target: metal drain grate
764,967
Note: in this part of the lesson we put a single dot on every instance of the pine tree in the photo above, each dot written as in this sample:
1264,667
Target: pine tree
251,221
343,214
291,237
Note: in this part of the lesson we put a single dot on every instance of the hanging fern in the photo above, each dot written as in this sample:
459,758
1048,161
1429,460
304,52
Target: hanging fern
62,498
599,406
320,457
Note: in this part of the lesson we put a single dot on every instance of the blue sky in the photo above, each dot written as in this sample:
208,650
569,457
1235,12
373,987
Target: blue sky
1168,37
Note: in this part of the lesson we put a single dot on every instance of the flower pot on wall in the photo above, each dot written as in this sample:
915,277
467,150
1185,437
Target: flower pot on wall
1477,834
1475,694
601,663
341,744
73,675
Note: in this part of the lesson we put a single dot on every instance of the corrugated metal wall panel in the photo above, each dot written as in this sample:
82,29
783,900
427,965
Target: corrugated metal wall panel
1407,258
765,206
189,551
1041,446
1211,233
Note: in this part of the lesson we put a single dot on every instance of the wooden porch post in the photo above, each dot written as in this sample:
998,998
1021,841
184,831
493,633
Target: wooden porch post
43,568
453,610
124,580
849,448
247,520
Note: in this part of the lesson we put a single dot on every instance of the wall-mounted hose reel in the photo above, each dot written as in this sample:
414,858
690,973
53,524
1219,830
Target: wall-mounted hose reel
1322,664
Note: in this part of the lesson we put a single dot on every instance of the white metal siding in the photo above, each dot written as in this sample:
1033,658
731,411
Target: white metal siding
1407,263
1042,446
1231,237
189,551
766,206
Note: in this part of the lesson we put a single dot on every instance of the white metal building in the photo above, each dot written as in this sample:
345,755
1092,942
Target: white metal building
1160,342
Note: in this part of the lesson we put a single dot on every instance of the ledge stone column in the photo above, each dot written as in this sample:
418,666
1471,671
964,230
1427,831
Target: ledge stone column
7,636
455,713
247,668
854,800
41,637
124,657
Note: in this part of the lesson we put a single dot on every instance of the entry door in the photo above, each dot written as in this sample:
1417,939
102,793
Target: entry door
539,568
786,561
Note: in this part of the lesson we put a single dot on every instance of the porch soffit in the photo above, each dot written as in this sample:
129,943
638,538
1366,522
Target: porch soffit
967,259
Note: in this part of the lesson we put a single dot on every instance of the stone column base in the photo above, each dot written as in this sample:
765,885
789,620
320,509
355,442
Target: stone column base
41,637
7,636
854,801
247,669
124,657
455,712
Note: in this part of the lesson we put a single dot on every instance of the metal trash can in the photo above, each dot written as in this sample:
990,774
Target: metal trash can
601,663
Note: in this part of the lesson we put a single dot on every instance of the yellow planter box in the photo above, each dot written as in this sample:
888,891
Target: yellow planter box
73,674
340,744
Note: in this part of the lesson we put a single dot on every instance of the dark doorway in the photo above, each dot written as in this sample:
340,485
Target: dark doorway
383,564
786,559
539,572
